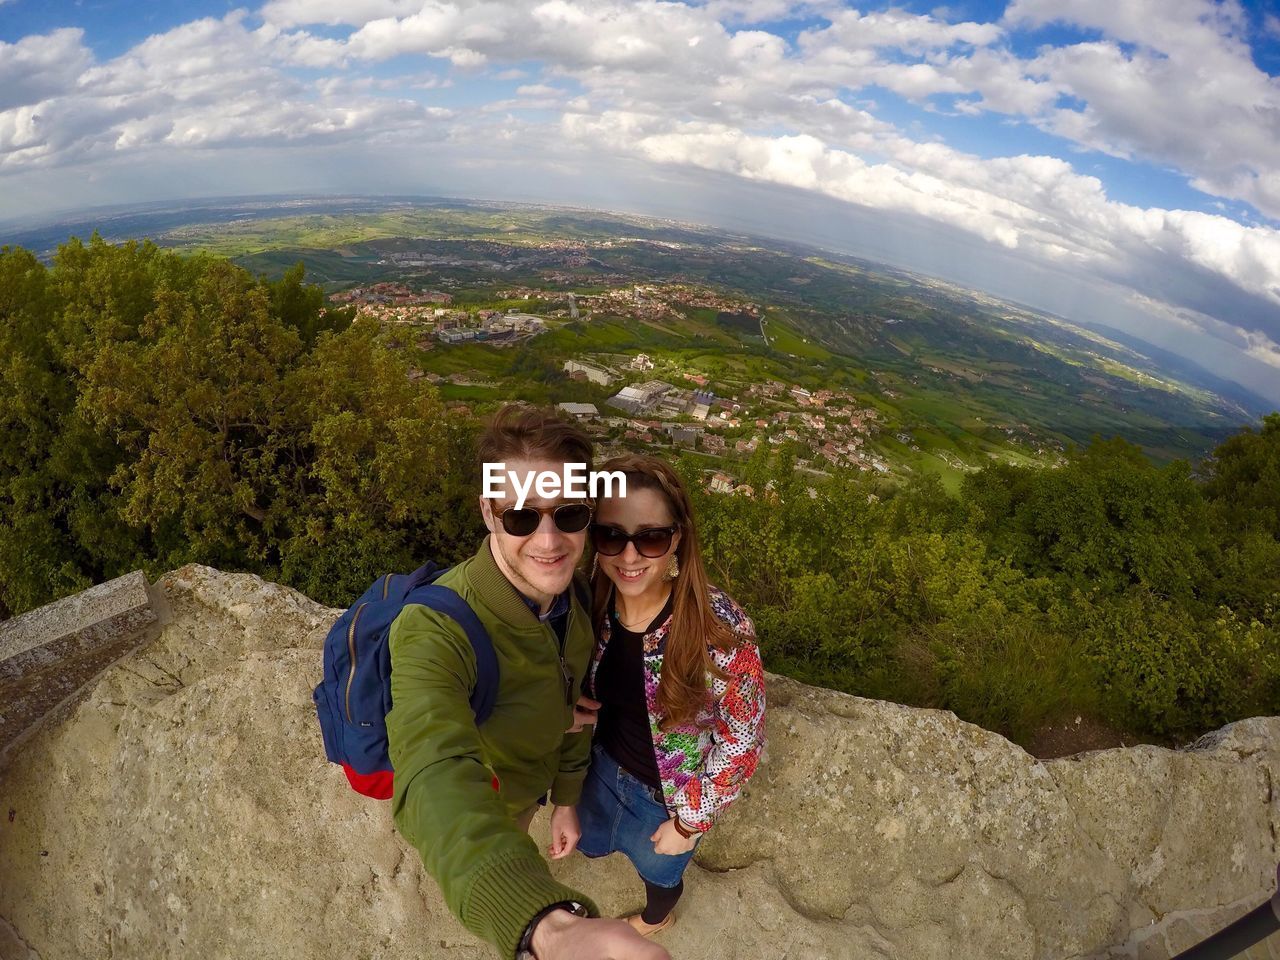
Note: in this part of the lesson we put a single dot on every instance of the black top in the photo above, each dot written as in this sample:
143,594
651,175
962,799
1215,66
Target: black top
623,727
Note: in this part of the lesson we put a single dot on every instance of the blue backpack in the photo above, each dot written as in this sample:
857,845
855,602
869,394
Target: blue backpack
353,699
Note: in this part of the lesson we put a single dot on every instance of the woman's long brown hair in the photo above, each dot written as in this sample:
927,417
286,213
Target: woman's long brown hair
686,661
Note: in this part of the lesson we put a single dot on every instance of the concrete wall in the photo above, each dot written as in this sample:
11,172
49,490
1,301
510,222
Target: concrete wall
50,655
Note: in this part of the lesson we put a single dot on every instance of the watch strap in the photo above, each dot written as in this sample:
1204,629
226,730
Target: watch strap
525,950
684,830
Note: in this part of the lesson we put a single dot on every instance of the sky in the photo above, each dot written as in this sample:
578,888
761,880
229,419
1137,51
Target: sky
1113,161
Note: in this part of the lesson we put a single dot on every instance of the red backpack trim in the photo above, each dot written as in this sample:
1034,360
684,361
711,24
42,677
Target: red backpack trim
378,784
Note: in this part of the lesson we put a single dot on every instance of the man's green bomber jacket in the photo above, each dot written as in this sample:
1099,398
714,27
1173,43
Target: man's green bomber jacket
492,875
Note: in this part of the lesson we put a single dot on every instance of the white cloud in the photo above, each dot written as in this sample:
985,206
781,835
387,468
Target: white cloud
300,49
419,81
189,86
1179,27
208,83
1036,205
638,53
761,11
38,67
899,30
290,13
428,31
1003,83
1184,92
1252,343
538,90
571,35
1261,347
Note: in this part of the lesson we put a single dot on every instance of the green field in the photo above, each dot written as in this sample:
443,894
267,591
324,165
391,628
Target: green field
954,373
453,391
784,339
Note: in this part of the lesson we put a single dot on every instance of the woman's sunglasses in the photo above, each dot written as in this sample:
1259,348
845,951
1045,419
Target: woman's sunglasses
568,518
611,541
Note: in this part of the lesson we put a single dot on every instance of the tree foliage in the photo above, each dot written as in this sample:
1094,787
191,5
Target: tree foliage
1108,588
164,409
1243,478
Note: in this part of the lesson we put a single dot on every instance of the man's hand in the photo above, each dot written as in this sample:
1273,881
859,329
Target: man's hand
562,936
666,839
584,713
565,832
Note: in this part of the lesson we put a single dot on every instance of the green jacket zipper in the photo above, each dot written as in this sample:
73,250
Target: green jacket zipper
561,643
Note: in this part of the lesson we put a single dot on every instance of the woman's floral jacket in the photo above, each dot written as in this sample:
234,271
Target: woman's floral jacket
704,764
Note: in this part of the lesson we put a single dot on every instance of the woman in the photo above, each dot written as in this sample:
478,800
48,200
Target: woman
677,672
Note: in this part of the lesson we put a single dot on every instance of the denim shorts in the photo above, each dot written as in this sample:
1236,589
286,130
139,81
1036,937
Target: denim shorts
619,813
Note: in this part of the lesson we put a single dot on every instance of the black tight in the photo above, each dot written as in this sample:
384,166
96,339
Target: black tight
660,900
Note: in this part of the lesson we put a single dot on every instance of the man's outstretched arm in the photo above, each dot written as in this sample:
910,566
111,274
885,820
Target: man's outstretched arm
490,872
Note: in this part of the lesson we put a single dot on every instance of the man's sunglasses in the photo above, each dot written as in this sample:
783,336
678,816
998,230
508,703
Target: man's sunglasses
568,518
611,541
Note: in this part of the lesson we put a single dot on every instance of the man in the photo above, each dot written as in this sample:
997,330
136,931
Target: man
464,796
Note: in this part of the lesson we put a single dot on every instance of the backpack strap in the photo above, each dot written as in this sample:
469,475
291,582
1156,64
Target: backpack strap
446,601
427,573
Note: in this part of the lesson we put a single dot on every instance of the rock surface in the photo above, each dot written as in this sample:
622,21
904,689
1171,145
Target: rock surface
185,809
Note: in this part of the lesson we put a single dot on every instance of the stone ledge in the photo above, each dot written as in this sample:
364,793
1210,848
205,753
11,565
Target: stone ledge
146,827
48,656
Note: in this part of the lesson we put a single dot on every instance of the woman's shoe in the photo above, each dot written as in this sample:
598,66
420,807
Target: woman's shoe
649,929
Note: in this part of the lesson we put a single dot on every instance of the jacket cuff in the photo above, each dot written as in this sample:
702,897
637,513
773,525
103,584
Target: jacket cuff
699,823
566,789
509,893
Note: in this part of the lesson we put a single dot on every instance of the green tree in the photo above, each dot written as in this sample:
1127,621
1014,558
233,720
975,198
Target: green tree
1243,477
59,527
162,409
35,545
383,476
1107,520
194,396
1166,673
302,307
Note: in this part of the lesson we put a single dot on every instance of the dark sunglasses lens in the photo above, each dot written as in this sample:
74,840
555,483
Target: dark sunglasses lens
520,523
608,540
572,517
653,543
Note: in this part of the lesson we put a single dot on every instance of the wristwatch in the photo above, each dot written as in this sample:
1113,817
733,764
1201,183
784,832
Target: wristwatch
525,950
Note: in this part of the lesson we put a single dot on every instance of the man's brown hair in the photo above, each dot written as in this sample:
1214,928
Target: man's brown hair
518,432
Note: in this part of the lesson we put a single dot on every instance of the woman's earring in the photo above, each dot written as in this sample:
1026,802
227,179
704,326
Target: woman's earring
595,565
673,567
